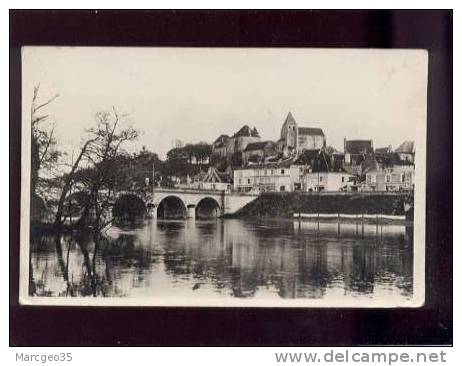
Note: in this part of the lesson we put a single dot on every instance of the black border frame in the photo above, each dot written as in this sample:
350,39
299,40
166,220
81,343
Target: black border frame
93,326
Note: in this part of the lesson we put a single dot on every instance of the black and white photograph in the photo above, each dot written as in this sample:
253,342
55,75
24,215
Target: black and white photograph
223,177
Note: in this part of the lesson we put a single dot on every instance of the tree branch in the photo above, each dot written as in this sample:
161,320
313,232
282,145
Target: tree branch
35,109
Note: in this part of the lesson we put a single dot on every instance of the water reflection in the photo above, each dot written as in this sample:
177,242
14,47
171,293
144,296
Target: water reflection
226,258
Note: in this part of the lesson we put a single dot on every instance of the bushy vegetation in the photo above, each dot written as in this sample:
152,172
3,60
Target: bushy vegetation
129,208
286,204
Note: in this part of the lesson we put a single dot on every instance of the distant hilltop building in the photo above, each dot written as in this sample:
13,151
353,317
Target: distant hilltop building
225,146
177,144
296,139
258,151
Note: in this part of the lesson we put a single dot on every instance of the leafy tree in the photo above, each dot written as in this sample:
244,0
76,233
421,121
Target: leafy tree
129,207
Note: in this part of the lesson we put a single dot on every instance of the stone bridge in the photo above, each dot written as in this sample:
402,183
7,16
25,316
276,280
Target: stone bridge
192,203
182,203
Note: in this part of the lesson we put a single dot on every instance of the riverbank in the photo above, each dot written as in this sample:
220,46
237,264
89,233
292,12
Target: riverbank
285,205
46,228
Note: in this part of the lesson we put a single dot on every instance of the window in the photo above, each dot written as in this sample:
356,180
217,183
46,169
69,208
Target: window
248,181
388,178
282,171
403,178
343,179
271,171
320,178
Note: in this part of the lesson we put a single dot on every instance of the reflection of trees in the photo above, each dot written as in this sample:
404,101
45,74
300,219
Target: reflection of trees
88,264
64,264
103,267
39,275
32,285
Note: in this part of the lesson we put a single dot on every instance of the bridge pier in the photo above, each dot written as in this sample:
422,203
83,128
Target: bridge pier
191,212
152,211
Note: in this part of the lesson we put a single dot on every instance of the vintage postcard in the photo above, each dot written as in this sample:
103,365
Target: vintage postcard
223,177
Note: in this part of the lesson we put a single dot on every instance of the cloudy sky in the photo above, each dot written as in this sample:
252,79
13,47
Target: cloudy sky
197,94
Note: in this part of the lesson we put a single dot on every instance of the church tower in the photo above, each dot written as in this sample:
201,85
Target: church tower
289,132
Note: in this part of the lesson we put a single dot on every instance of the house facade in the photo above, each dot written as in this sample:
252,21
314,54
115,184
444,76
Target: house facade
220,146
327,181
390,179
393,170
356,152
257,151
315,171
289,178
270,177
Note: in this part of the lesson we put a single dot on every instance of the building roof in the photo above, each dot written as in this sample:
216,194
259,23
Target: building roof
221,138
311,131
317,159
286,163
406,147
212,176
333,151
254,146
246,131
383,150
391,159
307,156
290,119
358,146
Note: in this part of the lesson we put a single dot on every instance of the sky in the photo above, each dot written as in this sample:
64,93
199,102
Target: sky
196,94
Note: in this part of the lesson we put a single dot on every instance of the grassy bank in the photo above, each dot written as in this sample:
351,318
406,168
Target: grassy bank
286,204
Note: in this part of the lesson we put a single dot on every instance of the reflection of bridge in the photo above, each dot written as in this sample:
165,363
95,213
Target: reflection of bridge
182,203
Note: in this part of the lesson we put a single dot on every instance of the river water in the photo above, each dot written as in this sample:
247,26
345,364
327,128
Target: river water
227,259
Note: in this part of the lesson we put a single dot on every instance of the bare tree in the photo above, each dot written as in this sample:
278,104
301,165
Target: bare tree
99,154
108,136
69,180
44,154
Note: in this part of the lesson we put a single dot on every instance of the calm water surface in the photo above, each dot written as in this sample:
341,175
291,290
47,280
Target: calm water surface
226,258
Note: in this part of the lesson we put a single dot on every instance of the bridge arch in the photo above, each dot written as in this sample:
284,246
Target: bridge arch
171,207
129,207
207,208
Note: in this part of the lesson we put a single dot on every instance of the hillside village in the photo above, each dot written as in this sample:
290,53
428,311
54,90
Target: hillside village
299,161
302,161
